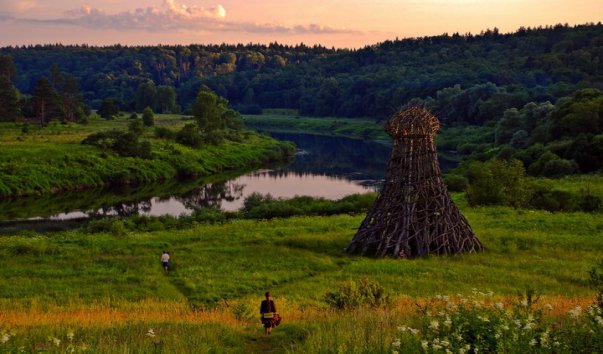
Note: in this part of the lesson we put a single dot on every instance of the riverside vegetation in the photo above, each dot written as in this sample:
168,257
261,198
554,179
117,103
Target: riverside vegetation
101,288
41,159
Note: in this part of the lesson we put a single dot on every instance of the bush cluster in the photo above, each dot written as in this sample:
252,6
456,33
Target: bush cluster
258,206
123,143
479,324
504,182
352,294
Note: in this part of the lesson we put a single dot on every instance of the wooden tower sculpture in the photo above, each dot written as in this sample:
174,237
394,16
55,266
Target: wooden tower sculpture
414,214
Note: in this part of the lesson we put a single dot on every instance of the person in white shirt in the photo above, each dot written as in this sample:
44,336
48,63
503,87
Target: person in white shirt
165,260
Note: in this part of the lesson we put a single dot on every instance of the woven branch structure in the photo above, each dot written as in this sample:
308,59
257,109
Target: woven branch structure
414,214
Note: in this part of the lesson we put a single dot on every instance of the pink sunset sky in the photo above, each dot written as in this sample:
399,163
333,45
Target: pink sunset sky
339,23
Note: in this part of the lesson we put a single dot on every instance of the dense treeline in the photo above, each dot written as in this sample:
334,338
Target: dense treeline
135,76
466,78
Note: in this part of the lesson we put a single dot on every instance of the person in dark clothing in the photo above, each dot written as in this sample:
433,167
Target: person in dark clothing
270,318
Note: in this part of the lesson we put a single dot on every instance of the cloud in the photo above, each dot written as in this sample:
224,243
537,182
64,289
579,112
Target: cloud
172,17
26,5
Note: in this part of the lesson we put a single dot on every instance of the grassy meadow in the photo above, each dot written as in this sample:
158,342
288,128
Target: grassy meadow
289,121
105,291
90,291
40,160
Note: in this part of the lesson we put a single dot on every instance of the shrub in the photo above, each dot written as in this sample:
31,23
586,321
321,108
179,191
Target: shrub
147,117
189,136
136,126
455,183
134,115
109,109
498,182
123,143
559,168
589,202
165,133
352,294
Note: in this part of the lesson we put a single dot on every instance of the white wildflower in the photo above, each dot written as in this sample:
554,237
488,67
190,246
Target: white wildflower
445,343
548,307
448,351
500,306
528,326
556,343
533,342
402,328
446,298
599,320
438,296
413,331
151,333
70,335
483,318
436,347
394,352
5,338
575,312
447,322
497,335
504,327
524,303
396,343
544,339
424,344
434,325
56,341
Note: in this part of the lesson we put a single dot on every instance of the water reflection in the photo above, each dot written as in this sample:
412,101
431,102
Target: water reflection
324,167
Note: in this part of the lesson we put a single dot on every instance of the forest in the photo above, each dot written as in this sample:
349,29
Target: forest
467,78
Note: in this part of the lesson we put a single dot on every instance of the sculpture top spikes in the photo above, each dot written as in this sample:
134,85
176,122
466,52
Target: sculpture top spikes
412,122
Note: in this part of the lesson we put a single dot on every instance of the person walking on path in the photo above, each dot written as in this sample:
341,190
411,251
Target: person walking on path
270,317
165,260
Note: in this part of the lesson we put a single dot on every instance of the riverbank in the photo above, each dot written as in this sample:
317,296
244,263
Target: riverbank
289,121
40,160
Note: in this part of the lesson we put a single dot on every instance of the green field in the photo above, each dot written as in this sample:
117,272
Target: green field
105,291
52,158
288,121
110,290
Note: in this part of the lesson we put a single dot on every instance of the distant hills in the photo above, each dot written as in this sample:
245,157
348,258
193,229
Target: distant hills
466,78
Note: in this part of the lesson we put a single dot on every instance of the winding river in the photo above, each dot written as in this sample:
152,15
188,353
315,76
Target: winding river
328,167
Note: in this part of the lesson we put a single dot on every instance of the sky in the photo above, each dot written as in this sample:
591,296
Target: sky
338,23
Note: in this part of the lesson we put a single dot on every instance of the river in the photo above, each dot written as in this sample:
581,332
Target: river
328,167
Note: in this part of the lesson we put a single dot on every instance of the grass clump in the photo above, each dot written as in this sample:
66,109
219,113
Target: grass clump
353,294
